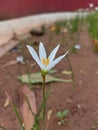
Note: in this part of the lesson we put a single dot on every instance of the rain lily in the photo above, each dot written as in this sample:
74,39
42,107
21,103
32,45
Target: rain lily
44,62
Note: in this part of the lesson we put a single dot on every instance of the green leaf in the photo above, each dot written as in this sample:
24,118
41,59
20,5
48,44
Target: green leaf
37,78
62,114
59,114
65,112
67,72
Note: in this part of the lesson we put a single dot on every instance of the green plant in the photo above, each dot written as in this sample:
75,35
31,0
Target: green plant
59,25
62,116
62,23
92,21
74,24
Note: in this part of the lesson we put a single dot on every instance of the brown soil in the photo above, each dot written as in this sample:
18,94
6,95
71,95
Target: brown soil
81,100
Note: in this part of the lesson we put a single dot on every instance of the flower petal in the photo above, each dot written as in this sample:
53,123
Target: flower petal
53,53
42,51
34,55
52,64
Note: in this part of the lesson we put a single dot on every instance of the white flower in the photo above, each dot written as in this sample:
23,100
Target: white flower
91,5
45,63
96,8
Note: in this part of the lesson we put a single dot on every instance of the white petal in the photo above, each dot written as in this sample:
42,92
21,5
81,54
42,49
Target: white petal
42,51
53,53
43,67
34,55
52,64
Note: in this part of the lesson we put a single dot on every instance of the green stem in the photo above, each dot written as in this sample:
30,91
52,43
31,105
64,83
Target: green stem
46,97
44,101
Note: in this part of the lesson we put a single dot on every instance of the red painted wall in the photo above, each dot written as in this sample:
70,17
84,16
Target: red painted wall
17,8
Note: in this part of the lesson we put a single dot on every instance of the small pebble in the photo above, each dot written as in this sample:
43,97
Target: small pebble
20,59
77,46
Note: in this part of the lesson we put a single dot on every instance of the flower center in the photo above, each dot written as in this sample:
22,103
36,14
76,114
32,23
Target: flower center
45,61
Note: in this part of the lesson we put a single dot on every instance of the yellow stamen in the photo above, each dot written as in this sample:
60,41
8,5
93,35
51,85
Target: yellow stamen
45,61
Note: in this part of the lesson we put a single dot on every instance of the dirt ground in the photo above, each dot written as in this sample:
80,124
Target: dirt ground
81,100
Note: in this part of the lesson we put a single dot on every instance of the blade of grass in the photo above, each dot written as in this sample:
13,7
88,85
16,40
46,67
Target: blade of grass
72,74
3,128
18,116
30,107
